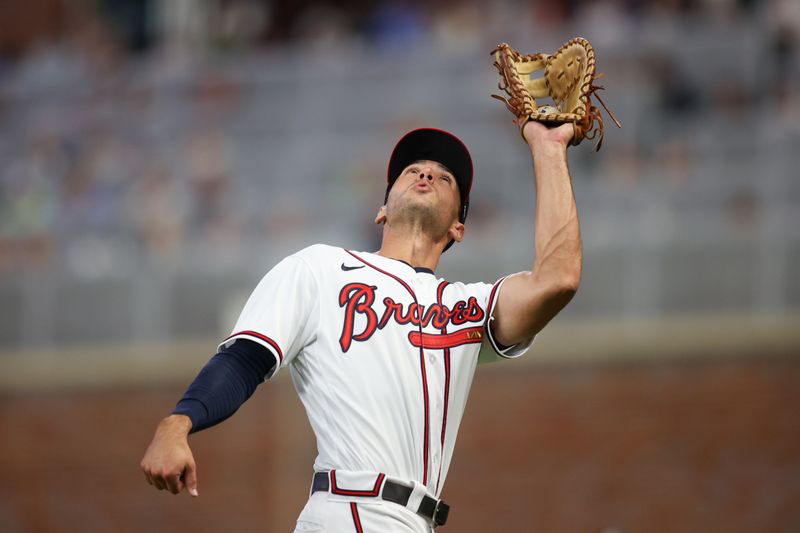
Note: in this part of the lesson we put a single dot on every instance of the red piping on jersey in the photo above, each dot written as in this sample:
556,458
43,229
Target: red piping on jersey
450,340
491,303
259,336
356,518
439,293
421,364
427,416
348,492
400,281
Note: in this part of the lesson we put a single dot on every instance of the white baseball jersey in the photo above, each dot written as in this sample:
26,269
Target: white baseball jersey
382,356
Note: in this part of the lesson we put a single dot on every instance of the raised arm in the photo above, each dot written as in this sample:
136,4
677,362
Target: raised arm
529,300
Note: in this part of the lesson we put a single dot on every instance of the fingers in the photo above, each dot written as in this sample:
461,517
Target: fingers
149,476
171,481
190,479
160,482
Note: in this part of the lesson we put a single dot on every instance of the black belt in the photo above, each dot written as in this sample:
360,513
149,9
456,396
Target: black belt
431,508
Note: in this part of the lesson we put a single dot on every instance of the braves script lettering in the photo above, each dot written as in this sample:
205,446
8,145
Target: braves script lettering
357,299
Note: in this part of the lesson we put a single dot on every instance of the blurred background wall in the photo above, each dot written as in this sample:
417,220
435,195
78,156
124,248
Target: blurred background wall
157,157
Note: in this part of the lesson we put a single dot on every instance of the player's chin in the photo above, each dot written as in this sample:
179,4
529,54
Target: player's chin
415,211
413,202
421,206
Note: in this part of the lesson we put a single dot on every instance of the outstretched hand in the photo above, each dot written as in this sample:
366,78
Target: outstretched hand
535,132
168,463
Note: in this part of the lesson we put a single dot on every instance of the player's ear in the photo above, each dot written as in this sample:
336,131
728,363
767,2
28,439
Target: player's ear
380,218
457,231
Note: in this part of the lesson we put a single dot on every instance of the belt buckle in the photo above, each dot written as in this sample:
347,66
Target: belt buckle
440,513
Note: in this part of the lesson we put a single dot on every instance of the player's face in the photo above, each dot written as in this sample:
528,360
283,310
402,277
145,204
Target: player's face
426,192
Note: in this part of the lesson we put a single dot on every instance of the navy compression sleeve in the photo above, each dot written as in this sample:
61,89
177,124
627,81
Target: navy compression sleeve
225,383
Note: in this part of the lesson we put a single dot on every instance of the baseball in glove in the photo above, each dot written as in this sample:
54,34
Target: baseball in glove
568,81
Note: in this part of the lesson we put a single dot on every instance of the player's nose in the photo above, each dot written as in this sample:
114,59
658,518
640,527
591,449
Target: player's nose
426,173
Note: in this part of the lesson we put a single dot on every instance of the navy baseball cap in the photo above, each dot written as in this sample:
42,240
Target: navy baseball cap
434,145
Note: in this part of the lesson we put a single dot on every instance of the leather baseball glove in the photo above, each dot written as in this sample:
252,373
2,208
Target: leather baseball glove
568,81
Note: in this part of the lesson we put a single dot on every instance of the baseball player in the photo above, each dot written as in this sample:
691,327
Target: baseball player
382,351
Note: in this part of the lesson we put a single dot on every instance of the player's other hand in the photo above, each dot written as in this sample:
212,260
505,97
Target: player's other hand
535,133
168,462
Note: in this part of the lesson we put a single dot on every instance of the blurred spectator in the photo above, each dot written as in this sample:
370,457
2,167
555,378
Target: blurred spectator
678,95
156,212
785,55
395,24
322,27
130,19
622,166
457,24
28,207
743,208
213,213
675,160
608,23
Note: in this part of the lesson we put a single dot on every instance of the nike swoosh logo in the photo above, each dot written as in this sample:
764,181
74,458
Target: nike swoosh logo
346,268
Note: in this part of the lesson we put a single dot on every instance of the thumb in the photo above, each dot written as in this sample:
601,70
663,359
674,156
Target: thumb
190,479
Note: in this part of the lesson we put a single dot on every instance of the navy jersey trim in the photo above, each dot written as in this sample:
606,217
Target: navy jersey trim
418,270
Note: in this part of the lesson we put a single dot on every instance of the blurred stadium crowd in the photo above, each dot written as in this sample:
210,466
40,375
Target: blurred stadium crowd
159,155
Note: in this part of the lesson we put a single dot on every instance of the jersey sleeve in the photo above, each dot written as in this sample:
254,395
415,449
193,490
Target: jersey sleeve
506,352
281,313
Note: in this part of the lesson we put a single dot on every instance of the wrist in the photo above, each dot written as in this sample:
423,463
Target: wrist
176,423
543,147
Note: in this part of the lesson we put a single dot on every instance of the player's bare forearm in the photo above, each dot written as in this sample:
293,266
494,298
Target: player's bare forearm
168,463
557,238
529,300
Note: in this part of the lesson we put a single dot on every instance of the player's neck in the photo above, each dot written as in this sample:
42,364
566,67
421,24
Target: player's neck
417,250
